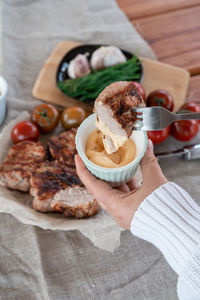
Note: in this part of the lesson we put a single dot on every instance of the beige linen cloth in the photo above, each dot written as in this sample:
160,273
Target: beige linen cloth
44,264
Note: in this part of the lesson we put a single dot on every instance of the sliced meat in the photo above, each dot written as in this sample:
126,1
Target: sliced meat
75,202
56,187
63,147
21,161
115,113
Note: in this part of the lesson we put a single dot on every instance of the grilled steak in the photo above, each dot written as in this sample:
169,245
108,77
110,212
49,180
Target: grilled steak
22,159
63,147
115,113
75,202
56,187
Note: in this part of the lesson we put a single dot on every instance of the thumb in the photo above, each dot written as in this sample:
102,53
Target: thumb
152,174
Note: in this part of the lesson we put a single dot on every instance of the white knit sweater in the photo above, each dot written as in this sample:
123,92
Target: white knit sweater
170,219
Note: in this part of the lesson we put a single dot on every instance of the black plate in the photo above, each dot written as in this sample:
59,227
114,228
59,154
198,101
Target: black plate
62,73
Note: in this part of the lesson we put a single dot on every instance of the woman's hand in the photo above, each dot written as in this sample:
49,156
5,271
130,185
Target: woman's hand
123,202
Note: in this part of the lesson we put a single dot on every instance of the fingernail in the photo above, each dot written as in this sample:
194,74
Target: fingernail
150,145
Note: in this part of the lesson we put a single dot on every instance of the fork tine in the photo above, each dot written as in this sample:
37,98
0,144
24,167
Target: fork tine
139,110
138,125
139,121
137,128
154,118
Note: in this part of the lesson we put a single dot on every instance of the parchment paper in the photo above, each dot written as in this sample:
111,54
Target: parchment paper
39,264
100,229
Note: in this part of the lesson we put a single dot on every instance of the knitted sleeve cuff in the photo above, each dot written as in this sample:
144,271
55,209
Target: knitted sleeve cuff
188,286
170,219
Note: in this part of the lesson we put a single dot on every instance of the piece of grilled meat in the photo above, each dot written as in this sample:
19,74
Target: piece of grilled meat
115,113
63,147
56,187
20,162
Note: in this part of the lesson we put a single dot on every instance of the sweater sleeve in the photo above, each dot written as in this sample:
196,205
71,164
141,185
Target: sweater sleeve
170,219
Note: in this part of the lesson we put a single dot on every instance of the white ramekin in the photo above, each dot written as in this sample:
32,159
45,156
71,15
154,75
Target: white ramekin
3,94
115,176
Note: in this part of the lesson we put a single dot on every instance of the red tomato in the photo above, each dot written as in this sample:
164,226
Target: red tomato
158,136
185,130
191,105
46,117
24,131
140,89
160,98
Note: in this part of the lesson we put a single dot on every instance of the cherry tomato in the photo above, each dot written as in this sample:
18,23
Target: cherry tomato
46,116
185,130
140,89
72,117
160,98
158,136
192,106
24,131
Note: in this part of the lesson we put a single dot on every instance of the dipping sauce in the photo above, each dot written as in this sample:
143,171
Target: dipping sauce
96,153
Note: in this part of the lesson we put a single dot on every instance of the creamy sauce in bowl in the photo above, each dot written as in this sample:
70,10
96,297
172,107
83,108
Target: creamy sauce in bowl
96,153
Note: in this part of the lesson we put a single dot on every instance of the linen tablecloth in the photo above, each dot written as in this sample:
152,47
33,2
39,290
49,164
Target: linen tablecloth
45,264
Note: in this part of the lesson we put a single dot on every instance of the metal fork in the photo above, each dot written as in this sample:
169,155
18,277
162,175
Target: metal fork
157,118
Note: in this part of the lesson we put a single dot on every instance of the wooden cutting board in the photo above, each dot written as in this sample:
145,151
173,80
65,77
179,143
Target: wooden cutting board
157,75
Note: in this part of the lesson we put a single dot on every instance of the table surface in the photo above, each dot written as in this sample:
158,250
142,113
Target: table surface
172,29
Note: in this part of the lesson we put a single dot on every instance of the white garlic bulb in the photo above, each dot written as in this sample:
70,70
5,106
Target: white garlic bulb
79,66
106,56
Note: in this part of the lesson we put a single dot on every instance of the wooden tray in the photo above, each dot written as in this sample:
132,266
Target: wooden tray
157,75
